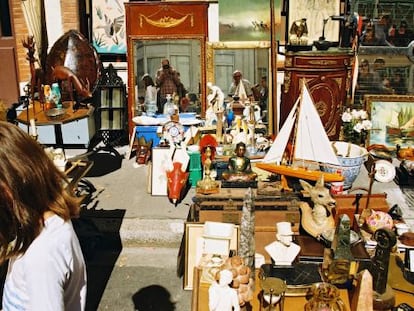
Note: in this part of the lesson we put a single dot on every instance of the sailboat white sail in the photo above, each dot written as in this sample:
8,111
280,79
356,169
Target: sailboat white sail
277,149
311,143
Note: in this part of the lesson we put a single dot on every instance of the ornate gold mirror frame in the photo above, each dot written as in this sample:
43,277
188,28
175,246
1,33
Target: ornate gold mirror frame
212,47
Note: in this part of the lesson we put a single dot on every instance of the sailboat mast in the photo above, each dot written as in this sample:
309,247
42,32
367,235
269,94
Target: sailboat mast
295,129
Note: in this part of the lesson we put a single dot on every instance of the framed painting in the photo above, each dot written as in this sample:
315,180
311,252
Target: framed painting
392,118
108,27
194,245
245,21
315,12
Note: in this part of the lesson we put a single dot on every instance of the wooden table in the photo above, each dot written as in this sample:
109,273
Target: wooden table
36,111
200,298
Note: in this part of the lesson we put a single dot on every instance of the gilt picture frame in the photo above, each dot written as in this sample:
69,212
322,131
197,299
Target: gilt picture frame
392,118
193,235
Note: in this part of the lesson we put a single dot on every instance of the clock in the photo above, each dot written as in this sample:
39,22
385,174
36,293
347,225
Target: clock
175,130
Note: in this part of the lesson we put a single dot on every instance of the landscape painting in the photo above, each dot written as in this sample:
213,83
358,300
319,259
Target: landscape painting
392,118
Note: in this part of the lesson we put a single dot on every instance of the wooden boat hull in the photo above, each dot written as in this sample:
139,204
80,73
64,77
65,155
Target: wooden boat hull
298,172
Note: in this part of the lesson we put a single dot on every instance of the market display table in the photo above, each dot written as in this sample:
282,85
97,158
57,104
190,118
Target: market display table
74,127
200,298
294,302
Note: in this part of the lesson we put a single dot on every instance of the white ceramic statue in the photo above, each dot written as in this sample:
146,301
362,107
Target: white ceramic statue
221,297
283,251
215,103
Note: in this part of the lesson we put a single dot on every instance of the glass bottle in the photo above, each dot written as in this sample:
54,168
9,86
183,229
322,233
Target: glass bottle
56,95
169,108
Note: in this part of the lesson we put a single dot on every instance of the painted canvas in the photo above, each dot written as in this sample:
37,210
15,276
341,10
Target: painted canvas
246,20
392,119
108,26
315,11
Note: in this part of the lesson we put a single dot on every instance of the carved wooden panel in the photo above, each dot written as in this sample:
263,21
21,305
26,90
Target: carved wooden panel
163,19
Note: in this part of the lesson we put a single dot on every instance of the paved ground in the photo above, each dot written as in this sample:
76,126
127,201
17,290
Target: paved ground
131,240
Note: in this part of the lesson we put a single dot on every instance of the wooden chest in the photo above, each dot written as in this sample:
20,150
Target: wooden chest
227,205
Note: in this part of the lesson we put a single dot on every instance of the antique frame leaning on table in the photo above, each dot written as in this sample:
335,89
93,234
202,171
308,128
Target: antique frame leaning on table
194,248
392,118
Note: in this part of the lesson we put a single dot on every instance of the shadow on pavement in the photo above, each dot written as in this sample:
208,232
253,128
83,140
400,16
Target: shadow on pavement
153,298
98,233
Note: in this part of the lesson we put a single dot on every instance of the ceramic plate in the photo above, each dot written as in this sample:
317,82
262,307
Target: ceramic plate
384,171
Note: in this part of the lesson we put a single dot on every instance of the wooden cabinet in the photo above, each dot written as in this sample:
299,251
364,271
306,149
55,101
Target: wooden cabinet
328,76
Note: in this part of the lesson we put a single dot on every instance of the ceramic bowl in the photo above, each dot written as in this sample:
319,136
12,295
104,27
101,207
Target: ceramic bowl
55,113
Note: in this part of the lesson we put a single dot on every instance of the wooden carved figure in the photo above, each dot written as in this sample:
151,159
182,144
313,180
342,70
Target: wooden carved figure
143,150
318,218
62,73
176,181
36,74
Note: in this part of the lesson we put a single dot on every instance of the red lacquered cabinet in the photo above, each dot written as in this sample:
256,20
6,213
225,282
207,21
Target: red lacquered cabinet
328,76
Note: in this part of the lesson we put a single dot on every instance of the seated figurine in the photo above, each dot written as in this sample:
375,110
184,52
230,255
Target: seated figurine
239,167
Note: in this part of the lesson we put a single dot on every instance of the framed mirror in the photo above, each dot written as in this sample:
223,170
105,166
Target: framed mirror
184,55
252,58
176,31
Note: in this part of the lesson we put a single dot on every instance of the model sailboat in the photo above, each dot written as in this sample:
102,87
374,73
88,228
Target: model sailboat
310,144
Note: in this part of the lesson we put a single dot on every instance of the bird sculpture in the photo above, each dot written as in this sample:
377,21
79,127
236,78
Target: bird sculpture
299,32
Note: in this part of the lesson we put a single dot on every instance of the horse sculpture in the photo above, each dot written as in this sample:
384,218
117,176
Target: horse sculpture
317,219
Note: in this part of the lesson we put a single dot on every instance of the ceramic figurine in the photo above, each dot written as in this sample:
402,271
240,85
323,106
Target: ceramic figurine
239,167
208,146
221,296
169,107
143,153
317,219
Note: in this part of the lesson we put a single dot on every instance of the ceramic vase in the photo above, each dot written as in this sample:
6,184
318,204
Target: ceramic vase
350,157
